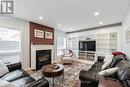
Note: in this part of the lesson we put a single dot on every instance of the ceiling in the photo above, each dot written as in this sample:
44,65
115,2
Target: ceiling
72,14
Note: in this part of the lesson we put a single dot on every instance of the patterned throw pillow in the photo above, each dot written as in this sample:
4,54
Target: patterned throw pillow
116,59
117,53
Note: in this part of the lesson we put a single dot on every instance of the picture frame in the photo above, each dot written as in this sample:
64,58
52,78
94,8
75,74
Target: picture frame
38,33
128,35
48,35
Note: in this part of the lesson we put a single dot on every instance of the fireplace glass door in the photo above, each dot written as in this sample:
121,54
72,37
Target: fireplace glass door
43,57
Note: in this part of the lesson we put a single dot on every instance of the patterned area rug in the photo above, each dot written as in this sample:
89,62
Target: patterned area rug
71,75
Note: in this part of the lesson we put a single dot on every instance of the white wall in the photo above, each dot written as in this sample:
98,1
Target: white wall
126,25
24,27
117,29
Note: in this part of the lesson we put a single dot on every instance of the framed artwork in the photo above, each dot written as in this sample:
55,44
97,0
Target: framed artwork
48,35
38,33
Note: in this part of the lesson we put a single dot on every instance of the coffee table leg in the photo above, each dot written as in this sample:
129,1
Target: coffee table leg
63,77
53,81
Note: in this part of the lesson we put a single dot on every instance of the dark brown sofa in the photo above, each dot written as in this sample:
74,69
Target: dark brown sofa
91,78
20,78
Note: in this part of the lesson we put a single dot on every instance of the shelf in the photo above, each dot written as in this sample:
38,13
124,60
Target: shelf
106,43
87,55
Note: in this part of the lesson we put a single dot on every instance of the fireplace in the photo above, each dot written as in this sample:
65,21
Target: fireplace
43,57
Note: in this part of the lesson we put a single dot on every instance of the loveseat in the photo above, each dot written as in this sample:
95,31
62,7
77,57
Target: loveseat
20,78
91,77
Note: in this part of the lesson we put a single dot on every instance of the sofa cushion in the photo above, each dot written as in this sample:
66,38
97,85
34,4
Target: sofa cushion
23,81
14,75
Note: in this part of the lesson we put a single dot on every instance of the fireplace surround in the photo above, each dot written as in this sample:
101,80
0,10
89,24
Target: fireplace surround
41,55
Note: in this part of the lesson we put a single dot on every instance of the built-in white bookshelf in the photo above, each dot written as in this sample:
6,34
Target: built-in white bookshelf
106,43
113,42
87,55
102,43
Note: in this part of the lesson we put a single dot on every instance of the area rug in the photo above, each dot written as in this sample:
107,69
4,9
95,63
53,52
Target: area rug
71,75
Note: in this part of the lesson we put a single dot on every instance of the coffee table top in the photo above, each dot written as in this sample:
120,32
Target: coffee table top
53,70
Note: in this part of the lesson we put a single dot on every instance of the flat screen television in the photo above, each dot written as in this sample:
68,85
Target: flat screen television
87,45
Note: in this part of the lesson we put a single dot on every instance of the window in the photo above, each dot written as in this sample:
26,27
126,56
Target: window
61,44
10,45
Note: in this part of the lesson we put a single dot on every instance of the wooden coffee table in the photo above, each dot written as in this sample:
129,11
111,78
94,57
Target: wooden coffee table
53,70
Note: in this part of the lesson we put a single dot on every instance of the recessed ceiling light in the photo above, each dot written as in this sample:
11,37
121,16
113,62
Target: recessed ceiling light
96,13
40,18
101,23
59,25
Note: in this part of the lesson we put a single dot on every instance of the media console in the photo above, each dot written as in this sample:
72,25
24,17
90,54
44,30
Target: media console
87,55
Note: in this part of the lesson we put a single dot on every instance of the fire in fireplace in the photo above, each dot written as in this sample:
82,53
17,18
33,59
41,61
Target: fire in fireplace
43,57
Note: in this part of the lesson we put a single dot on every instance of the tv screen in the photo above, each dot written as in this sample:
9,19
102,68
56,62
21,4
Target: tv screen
87,45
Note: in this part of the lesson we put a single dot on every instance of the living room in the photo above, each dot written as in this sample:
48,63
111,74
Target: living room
64,43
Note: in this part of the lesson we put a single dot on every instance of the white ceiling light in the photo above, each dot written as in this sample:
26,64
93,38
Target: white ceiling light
40,18
59,25
101,23
96,13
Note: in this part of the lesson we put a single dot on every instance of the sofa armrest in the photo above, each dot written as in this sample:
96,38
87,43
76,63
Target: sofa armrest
126,83
107,82
14,75
39,83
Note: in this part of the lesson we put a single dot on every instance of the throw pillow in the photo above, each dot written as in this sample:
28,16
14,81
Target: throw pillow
107,62
120,56
3,68
117,53
115,61
4,83
107,58
108,72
